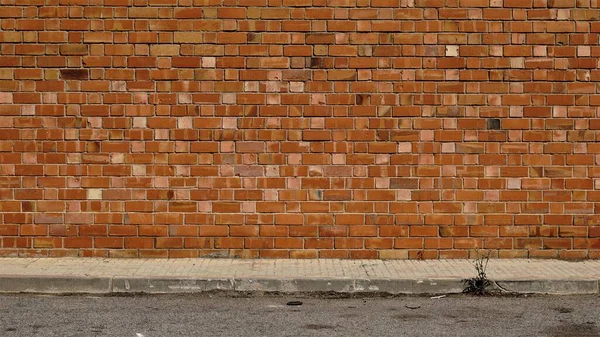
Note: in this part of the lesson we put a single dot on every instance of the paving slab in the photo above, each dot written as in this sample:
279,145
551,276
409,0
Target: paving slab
104,276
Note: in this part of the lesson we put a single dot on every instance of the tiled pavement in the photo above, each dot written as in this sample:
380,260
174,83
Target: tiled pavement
17,271
336,269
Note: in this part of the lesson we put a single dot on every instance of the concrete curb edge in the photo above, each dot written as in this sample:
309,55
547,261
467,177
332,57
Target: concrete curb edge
55,284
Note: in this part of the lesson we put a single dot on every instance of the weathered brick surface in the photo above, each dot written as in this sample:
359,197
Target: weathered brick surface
300,128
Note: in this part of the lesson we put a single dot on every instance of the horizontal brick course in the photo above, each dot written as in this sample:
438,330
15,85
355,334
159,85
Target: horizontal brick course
413,129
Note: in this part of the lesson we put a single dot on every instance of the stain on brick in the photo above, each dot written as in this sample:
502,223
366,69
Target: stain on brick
254,38
493,124
363,99
74,74
74,49
317,62
404,183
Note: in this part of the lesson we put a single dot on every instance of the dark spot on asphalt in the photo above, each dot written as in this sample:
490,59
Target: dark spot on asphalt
563,310
573,330
294,303
348,315
10,329
407,317
318,326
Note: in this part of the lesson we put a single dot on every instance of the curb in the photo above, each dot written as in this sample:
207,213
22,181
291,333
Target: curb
268,285
555,287
55,284
178,285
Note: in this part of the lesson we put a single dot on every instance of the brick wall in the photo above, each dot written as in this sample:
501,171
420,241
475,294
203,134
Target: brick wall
300,128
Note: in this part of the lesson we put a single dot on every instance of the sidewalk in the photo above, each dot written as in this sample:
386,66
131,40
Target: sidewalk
91,275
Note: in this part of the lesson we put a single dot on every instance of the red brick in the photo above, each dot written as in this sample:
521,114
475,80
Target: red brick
248,130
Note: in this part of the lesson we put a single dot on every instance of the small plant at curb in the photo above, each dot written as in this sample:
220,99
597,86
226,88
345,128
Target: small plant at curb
478,285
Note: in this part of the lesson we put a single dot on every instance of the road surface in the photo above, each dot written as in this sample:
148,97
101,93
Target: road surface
219,315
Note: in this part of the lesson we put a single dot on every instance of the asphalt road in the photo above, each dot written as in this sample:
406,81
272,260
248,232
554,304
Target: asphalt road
203,315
